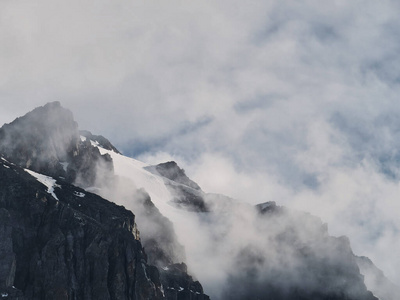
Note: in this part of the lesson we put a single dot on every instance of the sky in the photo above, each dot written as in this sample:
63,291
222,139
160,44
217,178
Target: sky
289,101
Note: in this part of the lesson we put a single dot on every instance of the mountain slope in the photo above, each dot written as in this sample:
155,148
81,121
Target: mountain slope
238,251
94,247
298,241
77,247
376,280
46,140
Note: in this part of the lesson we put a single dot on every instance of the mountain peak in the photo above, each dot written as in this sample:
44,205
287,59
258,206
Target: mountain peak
41,138
46,140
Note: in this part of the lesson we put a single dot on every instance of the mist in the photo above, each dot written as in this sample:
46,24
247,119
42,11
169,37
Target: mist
270,101
233,248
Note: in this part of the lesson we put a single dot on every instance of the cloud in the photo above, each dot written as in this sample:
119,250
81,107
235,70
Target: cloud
292,102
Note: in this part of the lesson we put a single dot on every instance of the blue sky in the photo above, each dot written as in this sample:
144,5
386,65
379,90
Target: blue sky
295,102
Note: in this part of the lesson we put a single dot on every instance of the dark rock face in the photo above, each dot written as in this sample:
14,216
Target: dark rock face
46,140
172,171
187,194
188,198
158,235
88,166
180,285
80,247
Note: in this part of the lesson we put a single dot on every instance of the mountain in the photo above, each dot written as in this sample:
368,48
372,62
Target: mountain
375,279
62,242
79,220
47,141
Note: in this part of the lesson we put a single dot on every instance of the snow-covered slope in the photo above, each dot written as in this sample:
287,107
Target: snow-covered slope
48,181
134,171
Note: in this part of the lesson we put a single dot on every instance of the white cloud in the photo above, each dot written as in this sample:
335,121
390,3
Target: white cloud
292,102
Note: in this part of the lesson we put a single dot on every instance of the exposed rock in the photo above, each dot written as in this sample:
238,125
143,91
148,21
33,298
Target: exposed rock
46,140
187,198
88,167
41,139
172,171
180,286
267,207
187,194
161,244
100,140
158,235
77,247
7,267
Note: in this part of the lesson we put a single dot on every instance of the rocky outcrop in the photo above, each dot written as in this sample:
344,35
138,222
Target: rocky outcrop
46,140
179,285
78,247
88,167
173,172
158,235
187,194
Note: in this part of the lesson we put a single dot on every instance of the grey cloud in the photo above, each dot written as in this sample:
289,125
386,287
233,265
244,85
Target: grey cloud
259,102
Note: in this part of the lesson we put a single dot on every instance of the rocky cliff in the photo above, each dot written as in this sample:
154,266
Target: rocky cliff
75,246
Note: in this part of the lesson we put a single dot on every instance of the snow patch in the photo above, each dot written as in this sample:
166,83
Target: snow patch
94,143
2,158
48,181
83,138
7,167
3,295
79,194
